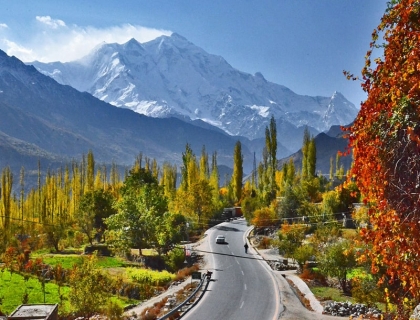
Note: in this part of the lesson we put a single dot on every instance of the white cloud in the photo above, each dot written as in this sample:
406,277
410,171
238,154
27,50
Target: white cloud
17,50
3,26
63,42
53,23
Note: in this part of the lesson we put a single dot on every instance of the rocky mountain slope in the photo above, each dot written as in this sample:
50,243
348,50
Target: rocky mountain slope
327,145
42,119
170,76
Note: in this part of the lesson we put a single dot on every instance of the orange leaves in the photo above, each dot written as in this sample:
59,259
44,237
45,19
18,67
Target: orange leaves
385,139
413,136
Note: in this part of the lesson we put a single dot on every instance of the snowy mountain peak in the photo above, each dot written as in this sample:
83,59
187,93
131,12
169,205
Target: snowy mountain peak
132,45
171,76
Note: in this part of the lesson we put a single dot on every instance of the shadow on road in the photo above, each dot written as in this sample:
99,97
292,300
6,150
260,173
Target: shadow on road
224,228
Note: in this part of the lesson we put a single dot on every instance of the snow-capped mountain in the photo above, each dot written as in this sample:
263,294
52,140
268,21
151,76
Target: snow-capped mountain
44,120
170,76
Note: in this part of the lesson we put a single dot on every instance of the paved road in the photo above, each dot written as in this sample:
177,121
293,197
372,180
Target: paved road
243,288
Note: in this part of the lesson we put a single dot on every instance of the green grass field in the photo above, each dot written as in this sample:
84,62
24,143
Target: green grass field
14,287
68,260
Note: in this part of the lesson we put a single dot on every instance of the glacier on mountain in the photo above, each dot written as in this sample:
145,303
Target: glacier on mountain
170,76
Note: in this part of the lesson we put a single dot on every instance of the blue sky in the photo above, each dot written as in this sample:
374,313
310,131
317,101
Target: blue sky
302,44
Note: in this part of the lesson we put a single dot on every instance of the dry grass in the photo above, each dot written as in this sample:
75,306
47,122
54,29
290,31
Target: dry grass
157,309
300,295
186,272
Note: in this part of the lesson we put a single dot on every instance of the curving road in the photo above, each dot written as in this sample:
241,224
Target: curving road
242,287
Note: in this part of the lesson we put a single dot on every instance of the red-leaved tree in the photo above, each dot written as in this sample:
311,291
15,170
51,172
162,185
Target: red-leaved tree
385,139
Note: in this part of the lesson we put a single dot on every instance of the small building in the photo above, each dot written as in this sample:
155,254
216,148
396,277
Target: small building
35,311
233,212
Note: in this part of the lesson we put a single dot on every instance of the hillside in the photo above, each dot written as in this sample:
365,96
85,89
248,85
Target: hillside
62,123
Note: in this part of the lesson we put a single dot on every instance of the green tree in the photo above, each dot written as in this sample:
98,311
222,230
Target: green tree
187,157
291,237
168,180
139,212
90,171
170,230
325,235
87,288
291,201
271,146
311,158
6,192
214,179
204,164
308,156
305,146
338,259
197,202
303,254
264,217
250,204
94,208
331,169
237,175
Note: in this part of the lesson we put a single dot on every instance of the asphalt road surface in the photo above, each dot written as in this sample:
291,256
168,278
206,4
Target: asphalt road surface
241,288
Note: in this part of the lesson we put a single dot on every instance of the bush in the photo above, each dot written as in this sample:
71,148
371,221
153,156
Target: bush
147,276
101,250
265,243
313,274
175,259
365,290
113,310
186,272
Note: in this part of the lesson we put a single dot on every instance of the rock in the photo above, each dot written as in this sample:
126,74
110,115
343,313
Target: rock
416,313
344,309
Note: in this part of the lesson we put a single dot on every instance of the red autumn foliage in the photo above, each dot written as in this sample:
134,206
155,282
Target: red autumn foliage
386,147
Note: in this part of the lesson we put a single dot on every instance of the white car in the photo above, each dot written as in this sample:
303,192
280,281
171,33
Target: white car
220,239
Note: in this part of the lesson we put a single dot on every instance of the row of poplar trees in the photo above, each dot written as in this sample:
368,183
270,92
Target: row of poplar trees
75,201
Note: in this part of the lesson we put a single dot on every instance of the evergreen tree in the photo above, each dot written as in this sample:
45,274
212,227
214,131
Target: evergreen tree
22,192
90,171
237,175
271,145
305,153
331,169
6,192
291,172
168,180
204,164
214,178
311,164
187,157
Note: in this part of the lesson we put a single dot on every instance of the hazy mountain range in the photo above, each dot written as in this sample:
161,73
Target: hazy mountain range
188,96
42,119
170,76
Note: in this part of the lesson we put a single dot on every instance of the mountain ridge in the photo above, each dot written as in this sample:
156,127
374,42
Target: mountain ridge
170,76
66,124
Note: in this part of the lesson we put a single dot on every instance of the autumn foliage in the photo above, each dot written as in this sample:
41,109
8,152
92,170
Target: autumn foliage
386,147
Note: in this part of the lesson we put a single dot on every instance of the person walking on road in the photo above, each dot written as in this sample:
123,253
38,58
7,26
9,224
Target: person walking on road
246,247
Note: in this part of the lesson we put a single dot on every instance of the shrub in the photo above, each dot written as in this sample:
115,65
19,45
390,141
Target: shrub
88,286
186,272
100,249
365,290
313,274
147,276
113,310
175,259
265,243
150,314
